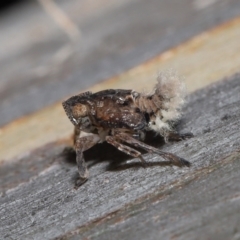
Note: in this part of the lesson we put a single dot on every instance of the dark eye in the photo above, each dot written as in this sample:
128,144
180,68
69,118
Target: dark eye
137,110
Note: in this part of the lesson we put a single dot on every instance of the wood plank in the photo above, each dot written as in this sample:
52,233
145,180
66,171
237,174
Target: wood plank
43,67
195,59
45,206
205,208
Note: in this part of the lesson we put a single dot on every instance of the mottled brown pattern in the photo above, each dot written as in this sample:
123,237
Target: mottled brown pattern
119,117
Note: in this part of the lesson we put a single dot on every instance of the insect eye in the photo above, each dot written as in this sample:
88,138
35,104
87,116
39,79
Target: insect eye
79,110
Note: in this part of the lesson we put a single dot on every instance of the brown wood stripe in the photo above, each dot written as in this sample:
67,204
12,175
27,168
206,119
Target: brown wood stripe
203,59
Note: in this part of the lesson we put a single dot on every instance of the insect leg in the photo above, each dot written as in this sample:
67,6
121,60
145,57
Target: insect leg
128,150
169,156
76,134
175,136
82,144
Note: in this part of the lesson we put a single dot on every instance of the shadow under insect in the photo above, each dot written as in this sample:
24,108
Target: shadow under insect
118,160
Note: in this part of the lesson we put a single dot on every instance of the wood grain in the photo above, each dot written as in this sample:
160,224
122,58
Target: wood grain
202,60
125,199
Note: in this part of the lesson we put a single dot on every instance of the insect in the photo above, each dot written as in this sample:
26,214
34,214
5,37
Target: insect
122,118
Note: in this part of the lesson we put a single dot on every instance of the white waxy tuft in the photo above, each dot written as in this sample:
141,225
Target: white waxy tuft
171,91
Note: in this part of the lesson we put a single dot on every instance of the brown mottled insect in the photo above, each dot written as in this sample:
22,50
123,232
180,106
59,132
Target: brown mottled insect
123,116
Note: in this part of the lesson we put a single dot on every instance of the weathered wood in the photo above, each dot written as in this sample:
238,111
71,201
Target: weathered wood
121,199
195,59
206,207
132,201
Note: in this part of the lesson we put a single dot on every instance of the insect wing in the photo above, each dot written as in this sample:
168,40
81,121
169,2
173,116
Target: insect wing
117,113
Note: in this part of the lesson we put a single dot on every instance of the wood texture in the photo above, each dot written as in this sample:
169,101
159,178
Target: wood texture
121,200
124,198
200,60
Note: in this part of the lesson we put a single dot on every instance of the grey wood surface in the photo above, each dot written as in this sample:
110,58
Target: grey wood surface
39,65
122,200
